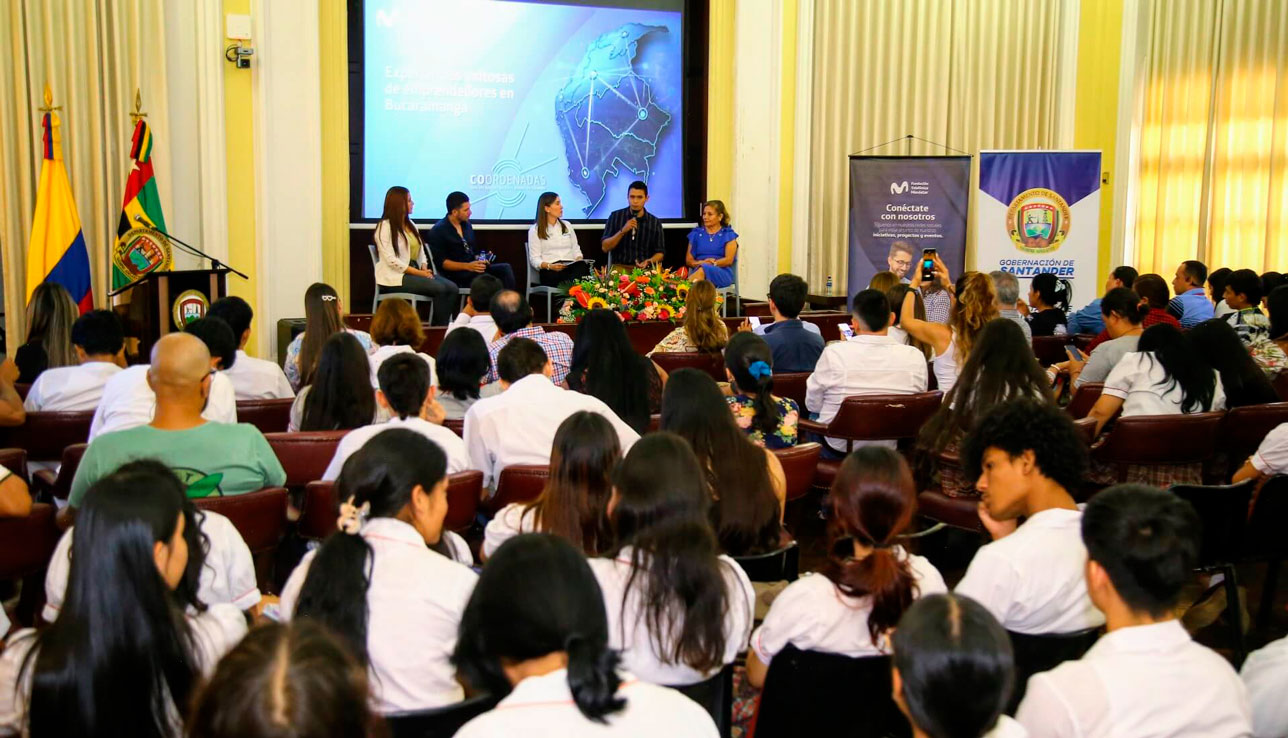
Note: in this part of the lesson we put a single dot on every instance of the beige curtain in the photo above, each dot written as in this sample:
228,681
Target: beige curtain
93,54
971,74
1213,135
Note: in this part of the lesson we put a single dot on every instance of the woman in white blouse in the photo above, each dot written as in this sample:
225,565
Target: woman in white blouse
402,263
850,608
552,245
677,609
387,581
121,658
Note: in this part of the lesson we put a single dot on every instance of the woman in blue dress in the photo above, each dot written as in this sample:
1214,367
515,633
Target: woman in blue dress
713,247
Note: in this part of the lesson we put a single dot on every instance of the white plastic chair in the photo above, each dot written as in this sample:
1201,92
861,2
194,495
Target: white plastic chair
411,297
534,283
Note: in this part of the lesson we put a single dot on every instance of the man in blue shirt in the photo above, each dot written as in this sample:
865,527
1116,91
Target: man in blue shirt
1191,305
1089,319
796,345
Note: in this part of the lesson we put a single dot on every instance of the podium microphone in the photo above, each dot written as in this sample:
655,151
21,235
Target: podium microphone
214,263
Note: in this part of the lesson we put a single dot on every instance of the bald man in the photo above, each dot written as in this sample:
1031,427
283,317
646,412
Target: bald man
210,458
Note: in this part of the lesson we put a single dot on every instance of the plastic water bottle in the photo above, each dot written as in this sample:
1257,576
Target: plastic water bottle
829,284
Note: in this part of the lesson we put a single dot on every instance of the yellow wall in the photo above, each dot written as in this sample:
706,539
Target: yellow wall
720,55
239,134
1096,117
333,42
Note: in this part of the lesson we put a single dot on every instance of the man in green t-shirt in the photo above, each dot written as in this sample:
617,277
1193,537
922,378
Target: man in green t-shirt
210,458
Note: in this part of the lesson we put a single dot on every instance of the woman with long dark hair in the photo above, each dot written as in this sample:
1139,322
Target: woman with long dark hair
402,259
552,244
869,579
746,483
1242,380
322,318
50,315
769,421
340,397
121,658
1048,308
677,609
574,503
535,634
604,365
386,582
463,362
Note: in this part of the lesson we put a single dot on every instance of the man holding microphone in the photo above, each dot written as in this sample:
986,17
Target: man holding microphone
633,233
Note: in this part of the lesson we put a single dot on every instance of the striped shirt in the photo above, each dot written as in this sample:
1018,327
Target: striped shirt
641,244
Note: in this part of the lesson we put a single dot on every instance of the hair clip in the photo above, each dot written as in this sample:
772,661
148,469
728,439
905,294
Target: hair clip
352,517
760,369
329,298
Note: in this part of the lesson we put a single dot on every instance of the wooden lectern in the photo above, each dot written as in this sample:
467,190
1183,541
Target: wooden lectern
163,302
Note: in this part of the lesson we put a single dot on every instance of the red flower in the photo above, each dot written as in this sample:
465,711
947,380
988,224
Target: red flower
625,315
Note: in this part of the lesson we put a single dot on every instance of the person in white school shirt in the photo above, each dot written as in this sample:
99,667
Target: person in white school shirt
1145,677
387,582
678,610
872,504
405,393
1265,675
1025,456
535,634
476,315
1271,457
396,330
100,346
518,426
941,638
253,379
870,363
128,401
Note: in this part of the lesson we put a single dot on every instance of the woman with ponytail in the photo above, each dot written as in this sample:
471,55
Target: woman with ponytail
869,580
769,421
678,610
535,634
388,581
1048,308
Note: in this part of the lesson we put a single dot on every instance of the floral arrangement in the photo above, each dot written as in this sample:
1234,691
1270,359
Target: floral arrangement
640,295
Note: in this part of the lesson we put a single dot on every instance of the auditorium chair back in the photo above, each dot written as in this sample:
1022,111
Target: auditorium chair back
792,386
711,362
1050,349
1160,440
455,425
716,696
1044,652
518,483
59,483
438,722
44,435
15,460
775,566
799,464
1265,539
1244,428
270,416
879,417
304,456
805,692
26,546
1084,398
322,505
260,518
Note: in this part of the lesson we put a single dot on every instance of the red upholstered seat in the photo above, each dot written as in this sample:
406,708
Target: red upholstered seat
60,484
1050,349
959,512
872,418
270,416
1244,429
792,386
711,362
455,425
1086,429
304,456
44,435
321,506
799,464
15,460
1160,440
260,518
518,483
1084,398
28,542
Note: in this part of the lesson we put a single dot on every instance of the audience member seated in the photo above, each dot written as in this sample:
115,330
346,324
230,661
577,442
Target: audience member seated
1121,314
1270,281
1008,297
220,567
678,610
884,281
1277,309
1216,291
870,363
388,582
702,330
451,243
463,363
851,607
1025,457
1048,305
129,399
952,339
1190,306
407,396
535,634
50,315
1000,368
11,409
896,295
340,396
1271,457
395,329
477,315
15,499
1145,677
574,503
122,657
1243,295
212,459
322,318
1153,290
746,483
605,365
796,344
284,680
253,379
768,420
1090,318
1242,379
518,426
1265,676
953,670
100,349
513,316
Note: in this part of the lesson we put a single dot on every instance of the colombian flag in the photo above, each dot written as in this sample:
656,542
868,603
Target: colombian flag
56,252
140,194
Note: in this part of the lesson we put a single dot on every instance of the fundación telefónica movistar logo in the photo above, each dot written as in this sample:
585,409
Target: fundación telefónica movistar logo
898,188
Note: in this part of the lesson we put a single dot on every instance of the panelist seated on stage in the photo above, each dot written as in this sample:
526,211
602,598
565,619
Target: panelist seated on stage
100,346
633,236
253,379
401,263
552,245
451,241
713,247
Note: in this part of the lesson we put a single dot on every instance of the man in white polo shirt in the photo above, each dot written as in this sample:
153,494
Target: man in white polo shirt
1145,677
476,314
253,379
100,346
518,426
871,363
405,392
1025,455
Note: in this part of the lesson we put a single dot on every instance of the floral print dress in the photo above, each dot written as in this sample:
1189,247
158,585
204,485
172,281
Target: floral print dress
785,435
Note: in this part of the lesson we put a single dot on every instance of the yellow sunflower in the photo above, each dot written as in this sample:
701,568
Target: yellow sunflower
596,302
682,291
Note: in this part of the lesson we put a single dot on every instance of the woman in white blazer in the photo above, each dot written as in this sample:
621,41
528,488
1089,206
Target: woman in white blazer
401,263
